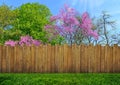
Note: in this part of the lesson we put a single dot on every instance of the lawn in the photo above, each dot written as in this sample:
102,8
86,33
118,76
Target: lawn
60,79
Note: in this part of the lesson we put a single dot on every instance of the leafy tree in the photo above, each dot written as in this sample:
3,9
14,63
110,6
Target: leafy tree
7,17
31,19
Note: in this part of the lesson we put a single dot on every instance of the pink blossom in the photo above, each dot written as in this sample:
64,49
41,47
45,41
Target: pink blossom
27,40
67,22
36,42
68,29
48,26
53,18
10,43
24,40
95,34
74,21
86,21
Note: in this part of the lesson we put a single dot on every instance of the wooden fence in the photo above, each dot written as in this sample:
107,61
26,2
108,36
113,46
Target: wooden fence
62,59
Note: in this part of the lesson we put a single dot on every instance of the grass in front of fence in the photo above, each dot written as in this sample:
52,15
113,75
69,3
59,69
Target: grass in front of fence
60,79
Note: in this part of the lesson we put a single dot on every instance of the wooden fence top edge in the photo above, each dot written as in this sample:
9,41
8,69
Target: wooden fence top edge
115,45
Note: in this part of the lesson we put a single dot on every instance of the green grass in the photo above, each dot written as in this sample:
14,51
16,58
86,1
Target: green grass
60,79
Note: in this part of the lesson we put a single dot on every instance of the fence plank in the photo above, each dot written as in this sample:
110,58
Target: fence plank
49,58
56,59
73,58
82,62
17,58
65,58
32,54
102,66
52,59
91,58
37,59
60,59
109,59
77,51
86,58
45,58
1,58
98,58
116,58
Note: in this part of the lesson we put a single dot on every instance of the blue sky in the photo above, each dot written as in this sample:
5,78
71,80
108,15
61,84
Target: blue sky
94,7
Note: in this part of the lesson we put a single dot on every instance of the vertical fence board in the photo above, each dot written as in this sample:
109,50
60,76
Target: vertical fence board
56,58
27,59
105,64
20,59
1,58
86,60
60,59
94,58
98,57
65,57
73,58
32,59
52,59
24,58
109,59
118,56
77,51
82,60
102,66
45,58
77,59
40,58
49,58
69,58
37,59
4,59
91,58
11,59
7,60
115,58
17,59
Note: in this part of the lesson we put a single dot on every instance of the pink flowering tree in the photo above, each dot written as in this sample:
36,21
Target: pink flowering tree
71,25
24,40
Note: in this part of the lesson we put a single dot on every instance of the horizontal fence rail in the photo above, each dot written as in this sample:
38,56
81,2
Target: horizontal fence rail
60,59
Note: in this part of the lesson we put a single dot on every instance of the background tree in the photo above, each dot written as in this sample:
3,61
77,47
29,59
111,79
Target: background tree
7,17
67,24
31,19
104,25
